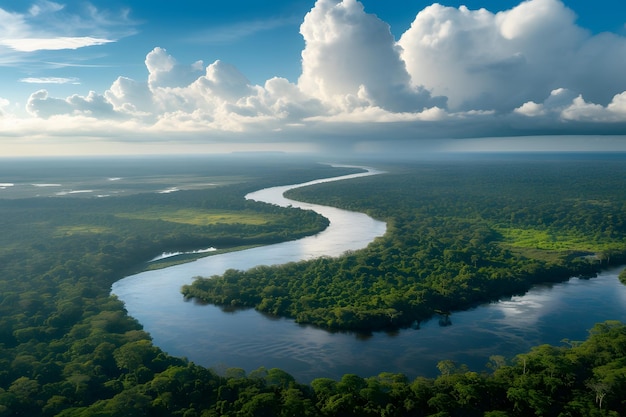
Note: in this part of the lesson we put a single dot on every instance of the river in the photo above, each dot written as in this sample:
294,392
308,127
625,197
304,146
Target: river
219,339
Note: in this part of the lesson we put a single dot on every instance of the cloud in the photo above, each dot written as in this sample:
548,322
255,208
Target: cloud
41,105
558,100
456,73
288,102
351,60
175,98
47,26
45,7
52,43
52,64
93,105
482,60
177,88
580,110
130,97
165,72
564,105
224,81
50,80
4,104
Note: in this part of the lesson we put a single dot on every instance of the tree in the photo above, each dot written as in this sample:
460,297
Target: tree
600,389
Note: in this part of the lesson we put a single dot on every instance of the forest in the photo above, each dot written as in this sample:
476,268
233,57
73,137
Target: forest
457,235
471,230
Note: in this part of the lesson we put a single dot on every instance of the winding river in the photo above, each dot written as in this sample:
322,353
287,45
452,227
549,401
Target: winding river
219,339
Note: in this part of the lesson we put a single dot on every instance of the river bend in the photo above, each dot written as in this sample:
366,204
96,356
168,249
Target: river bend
247,339
210,337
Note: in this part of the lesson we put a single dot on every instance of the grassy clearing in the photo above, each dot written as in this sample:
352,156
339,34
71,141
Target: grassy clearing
547,240
198,217
83,229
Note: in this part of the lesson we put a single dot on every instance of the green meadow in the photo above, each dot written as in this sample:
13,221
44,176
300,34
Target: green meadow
554,240
201,217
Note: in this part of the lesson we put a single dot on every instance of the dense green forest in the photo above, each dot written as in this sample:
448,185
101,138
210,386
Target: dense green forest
458,234
67,348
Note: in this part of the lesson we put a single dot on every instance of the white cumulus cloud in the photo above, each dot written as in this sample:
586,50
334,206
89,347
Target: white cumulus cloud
581,110
351,60
4,104
482,60
164,71
130,97
456,73
40,104
558,100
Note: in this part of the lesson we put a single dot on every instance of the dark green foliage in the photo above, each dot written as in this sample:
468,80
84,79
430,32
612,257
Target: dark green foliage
68,349
66,345
445,248
547,381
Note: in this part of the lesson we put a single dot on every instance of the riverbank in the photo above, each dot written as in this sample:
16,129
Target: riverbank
222,337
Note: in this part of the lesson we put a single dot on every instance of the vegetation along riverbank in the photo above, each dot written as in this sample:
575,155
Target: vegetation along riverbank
458,234
67,348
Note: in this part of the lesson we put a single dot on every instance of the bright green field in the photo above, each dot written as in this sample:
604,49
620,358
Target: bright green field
198,217
548,240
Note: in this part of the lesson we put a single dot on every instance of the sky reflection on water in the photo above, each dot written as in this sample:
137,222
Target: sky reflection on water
212,337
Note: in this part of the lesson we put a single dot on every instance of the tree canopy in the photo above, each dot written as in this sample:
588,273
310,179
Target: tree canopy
69,349
458,234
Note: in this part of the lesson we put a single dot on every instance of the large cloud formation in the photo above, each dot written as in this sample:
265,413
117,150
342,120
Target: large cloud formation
351,59
481,60
453,73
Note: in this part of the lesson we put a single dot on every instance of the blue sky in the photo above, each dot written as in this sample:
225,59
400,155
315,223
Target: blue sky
198,76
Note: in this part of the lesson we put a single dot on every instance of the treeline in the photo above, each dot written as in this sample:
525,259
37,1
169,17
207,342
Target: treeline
68,349
458,234
127,376
64,341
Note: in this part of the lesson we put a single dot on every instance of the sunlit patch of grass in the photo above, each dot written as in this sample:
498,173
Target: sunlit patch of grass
547,240
200,217
80,230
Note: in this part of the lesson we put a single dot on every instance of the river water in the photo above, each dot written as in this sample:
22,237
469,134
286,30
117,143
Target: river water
219,339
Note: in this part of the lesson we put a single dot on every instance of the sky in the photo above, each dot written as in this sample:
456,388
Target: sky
117,77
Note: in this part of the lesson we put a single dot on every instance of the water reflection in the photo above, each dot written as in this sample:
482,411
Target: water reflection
221,338
245,338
